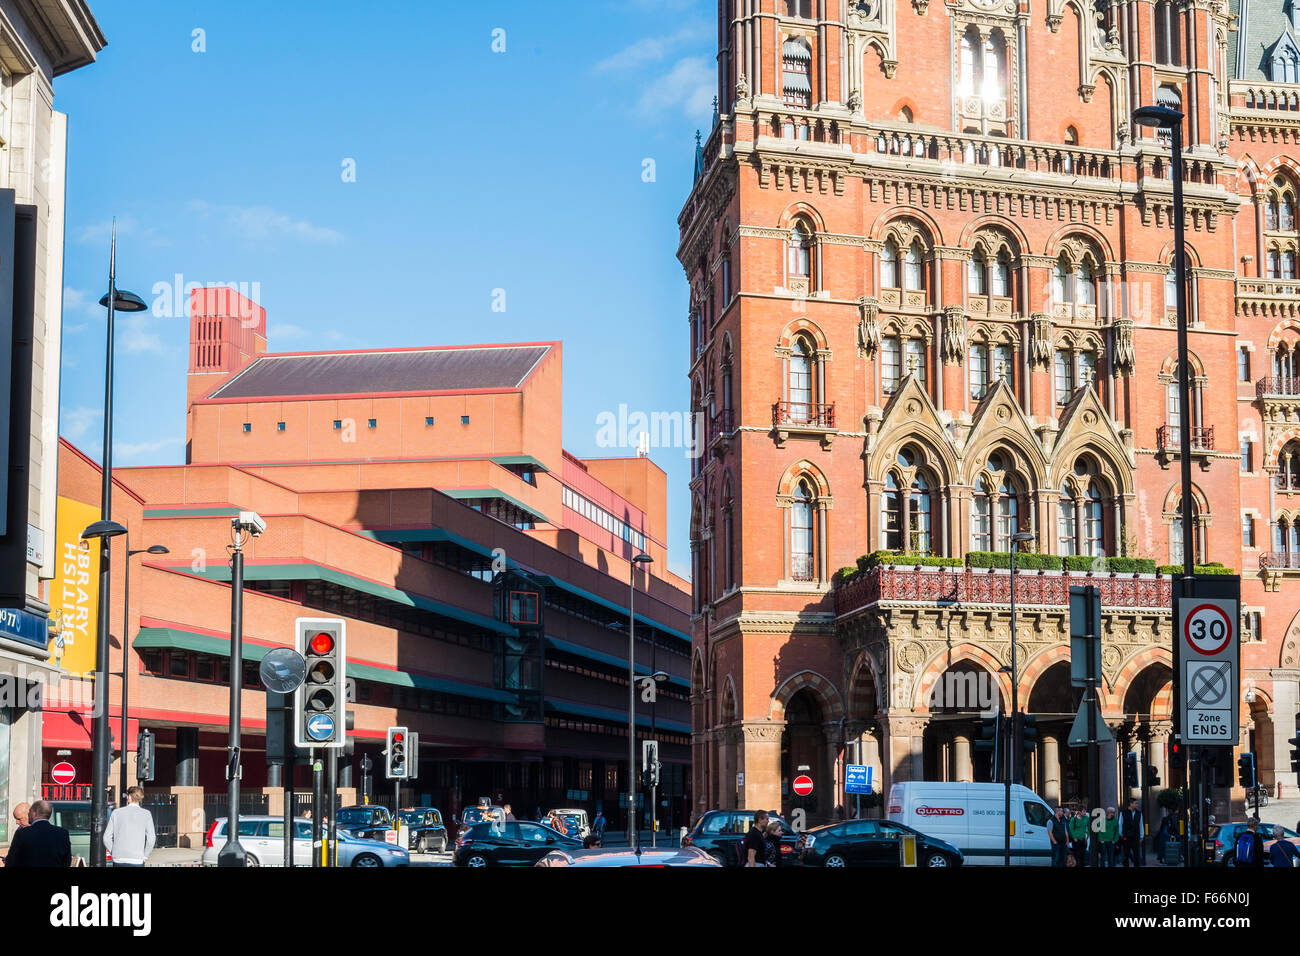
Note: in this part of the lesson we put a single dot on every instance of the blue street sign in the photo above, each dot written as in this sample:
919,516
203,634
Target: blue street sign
320,727
857,779
23,626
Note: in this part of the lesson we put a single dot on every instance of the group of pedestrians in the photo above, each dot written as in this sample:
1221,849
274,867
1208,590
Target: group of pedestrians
762,844
1116,842
1250,851
37,841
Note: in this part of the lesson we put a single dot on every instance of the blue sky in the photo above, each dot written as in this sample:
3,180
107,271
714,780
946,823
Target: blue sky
475,171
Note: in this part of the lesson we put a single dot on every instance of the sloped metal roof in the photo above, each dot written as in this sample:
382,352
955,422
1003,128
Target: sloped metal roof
368,373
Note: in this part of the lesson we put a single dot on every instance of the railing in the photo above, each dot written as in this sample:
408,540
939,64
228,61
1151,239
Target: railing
250,804
1281,386
801,568
1286,482
803,413
968,150
722,424
70,791
993,586
1285,560
1262,97
1169,436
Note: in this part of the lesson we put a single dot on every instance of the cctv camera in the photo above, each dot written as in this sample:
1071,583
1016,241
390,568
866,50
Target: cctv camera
251,522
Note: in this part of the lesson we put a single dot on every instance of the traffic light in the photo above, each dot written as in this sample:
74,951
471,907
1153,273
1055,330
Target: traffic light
1246,770
1177,755
989,739
319,703
1028,733
1131,771
144,749
1295,753
1216,767
1153,776
395,765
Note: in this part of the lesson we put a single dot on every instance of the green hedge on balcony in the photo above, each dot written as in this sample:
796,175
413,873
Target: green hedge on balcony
1214,567
1024,562
878,558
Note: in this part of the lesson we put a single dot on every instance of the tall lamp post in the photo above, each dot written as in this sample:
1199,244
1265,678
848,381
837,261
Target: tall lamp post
126,644
1164,117
104,531
116,300
1015,758
655,679
642,559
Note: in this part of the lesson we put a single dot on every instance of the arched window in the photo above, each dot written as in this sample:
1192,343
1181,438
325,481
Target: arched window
801,380
916,359
981,528
1008,513
1274,261
1171,287
889,265
1061,281
728,540
891,364
1176,537
977,273
1062,375
918,516
1271,209
1094,542
802,564
1288,264
979,370
891,515
1085,289
1169,45
1067,527
1288,467
1286,213
799,260
995,57
912,267
969,62
1002,275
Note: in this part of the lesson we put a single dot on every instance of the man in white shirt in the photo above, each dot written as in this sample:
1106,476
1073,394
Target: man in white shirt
130,837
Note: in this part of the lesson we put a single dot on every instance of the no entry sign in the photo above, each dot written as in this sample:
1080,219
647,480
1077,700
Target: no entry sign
803,785
63,773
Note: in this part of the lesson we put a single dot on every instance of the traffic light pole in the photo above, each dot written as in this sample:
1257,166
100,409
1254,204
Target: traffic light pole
315,809
290,764
331,787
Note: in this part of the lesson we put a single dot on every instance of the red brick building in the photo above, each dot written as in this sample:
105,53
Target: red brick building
394,485
930,263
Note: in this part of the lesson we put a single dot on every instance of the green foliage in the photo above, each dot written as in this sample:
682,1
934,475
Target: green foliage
1170,799
1082,562
843,575
1024,562
903,560
1213,567
1131,565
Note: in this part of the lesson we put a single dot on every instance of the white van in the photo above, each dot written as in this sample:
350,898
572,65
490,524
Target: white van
970,816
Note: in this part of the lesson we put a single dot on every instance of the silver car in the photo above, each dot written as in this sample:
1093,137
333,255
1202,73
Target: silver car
262,838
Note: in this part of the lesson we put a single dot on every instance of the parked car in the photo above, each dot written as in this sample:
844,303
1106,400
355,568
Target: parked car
368,821
621,856
262,838
508,843
1223,839
74,816
480,814
425,830
871,843
575,820
721,832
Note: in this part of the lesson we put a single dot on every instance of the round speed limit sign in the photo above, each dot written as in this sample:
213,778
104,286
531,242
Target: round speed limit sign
1207,629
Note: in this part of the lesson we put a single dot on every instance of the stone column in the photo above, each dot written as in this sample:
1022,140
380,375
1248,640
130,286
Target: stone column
275,800
1049,749
1157,751
1286,692
191,823
187,756
761,761
963,772
904,739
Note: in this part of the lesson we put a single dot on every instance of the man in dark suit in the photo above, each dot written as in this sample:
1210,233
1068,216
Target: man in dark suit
40,843
1130,833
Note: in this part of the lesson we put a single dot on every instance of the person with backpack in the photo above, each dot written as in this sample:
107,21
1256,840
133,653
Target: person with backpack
1250,846
753,851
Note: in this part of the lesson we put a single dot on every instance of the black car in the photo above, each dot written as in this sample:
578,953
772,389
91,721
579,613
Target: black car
368,821
721,832
508,843
425,830
871,843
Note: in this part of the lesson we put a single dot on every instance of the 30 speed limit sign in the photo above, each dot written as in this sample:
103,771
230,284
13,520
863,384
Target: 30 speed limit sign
1207,629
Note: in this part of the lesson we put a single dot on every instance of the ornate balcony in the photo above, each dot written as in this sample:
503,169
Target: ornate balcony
948,586
721,430
1278,386
1268,298
1168,439
803,418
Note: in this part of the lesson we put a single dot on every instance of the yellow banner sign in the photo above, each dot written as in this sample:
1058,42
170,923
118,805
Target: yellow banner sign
74,592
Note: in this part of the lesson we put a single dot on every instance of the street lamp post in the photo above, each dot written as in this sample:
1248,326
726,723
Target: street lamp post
1164,117
643,559
658,677
1014,758
126,643
115,301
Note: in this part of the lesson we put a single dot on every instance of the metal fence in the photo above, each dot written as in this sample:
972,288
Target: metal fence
162,805
250,804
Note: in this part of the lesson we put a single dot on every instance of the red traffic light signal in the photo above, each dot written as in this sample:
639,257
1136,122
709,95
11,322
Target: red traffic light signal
398,738
322,643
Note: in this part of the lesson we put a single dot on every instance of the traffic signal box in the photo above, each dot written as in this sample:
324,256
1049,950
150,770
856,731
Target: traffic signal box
396,766
320,704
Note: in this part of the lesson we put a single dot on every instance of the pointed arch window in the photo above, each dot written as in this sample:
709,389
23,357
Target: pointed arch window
891,515
979,370
1176,537
802,563
907,506
1094,530
1067,525
996,503
1169,44
728,541
891,364
1061,281
913,267
802,368
1001,275
889,265
981,527
1288,467
1274,264
977,273
799,259
919,516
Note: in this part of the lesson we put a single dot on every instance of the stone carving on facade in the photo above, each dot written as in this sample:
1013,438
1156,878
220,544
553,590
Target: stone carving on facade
1125,357
953,344
921,6
1040,342
742,87
909,656
868,326
855,100
763,732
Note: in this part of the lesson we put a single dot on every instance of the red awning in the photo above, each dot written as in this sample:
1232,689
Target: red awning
59,728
